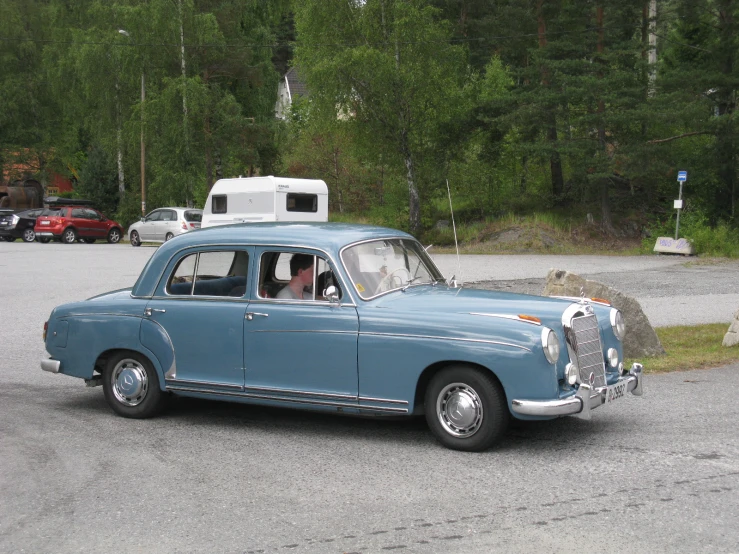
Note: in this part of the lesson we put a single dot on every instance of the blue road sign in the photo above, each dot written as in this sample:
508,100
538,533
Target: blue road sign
682,176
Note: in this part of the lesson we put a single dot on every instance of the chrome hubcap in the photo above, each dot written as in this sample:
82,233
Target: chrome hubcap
129,382
114,236
459,409
134,238
69,236
29,235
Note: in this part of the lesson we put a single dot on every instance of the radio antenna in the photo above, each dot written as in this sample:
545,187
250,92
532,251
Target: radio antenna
454,228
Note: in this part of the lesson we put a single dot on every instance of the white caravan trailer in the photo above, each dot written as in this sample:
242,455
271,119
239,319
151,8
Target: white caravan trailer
252,199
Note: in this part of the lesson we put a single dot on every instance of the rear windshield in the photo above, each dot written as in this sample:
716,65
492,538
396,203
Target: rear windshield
196,216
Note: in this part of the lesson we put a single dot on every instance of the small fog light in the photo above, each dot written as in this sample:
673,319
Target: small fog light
613,357
571,374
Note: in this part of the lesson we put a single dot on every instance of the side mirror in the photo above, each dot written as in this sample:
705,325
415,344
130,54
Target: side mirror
331,294
143,219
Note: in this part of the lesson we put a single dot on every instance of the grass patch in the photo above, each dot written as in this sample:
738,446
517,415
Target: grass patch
691,347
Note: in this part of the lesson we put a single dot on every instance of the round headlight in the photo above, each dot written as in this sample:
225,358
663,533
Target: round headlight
612,357
617,322
571,374
550,342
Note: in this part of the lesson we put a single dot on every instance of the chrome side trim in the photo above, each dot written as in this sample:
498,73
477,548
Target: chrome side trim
52,366
304,331
383,400
301,393
506,316
177,382
483,341
292,400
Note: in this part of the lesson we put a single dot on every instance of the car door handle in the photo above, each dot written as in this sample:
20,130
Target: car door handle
250,315
148,311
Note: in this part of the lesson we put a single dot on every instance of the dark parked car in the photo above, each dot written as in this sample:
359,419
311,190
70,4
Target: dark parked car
19,225
69,223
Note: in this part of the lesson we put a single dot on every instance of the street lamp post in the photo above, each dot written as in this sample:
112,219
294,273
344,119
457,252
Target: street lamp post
143,149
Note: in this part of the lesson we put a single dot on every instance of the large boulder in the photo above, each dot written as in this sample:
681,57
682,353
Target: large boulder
640,339
732,335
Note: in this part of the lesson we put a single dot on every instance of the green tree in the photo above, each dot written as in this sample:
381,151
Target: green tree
387,70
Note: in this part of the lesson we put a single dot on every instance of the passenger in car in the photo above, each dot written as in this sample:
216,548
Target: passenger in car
301,272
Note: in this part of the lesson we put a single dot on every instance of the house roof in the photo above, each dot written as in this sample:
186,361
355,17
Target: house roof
295,83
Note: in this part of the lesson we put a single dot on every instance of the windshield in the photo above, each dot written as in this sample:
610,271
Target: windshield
384,265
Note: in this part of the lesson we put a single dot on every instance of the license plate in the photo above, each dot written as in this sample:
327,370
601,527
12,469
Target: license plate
614,392
46,223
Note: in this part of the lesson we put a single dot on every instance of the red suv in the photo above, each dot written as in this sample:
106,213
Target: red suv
69,223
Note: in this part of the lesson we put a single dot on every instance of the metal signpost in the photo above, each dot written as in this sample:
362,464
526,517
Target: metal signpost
668,245
682,176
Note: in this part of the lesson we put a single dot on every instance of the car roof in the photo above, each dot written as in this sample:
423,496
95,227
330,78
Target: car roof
329,237
178,208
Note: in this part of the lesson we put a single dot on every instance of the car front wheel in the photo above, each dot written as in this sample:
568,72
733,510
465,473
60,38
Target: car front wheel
131,386
135,239
466,408
69,236
29,235
114,236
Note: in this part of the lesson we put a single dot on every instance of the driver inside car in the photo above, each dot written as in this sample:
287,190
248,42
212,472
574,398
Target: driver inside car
301,276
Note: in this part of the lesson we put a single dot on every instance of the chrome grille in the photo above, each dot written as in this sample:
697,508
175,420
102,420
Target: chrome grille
588,349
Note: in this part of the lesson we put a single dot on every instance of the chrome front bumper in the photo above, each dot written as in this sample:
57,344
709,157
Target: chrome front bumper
52,366
586,399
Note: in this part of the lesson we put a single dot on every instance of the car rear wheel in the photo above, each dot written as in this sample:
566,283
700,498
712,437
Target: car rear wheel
466,408
29,235
168,237
135,239
131,386
69,236
114,235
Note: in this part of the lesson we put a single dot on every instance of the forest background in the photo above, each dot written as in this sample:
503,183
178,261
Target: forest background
575,110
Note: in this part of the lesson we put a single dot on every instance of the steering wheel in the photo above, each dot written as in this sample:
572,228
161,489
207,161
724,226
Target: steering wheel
392,280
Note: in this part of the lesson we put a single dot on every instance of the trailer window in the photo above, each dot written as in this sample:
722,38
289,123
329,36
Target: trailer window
219,204
302,202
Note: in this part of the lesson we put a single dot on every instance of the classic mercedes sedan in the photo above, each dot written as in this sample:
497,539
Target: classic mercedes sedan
345,318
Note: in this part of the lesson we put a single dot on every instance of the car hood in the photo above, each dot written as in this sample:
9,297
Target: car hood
443,299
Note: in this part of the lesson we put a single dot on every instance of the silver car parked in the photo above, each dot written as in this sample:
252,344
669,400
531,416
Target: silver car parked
163,224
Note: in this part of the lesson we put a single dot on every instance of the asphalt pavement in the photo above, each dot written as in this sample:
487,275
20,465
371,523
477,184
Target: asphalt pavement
651,474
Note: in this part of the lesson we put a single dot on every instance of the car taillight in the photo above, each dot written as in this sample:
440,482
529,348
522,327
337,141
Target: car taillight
184,226
46,328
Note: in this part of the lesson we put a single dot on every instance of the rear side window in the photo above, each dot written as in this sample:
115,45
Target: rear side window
219,204
192,215
297,202
221,273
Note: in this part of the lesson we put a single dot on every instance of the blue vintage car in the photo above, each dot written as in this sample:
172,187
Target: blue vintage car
345,318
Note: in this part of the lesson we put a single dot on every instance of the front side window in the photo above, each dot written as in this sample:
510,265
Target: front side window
384,265
221,273
295,276
298,202
154,216
219,204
